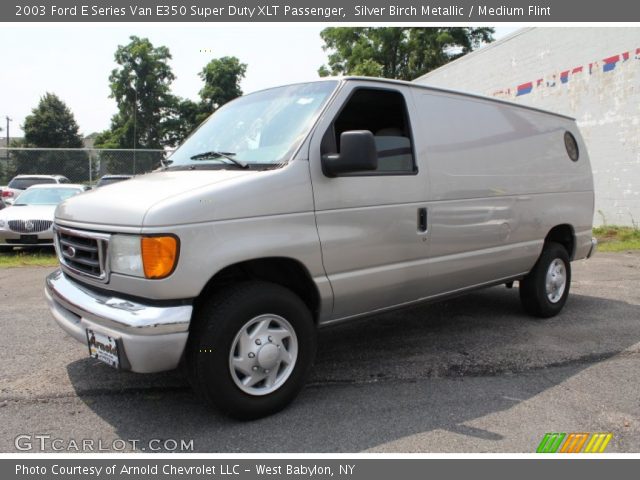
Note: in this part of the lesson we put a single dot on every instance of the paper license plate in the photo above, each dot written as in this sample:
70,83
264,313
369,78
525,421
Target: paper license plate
103,347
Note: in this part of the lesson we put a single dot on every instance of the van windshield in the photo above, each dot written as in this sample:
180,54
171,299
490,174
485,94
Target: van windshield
257,129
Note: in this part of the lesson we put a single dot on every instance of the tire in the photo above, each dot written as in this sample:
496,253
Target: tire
280,345
537,297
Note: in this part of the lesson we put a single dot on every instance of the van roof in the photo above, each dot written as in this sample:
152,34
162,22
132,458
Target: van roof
433,89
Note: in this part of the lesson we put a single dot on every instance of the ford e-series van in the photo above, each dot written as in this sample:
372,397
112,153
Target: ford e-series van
310,204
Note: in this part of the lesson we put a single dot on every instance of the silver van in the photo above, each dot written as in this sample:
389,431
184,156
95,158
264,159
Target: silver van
310,204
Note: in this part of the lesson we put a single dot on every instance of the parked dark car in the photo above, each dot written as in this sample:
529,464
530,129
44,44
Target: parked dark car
109,179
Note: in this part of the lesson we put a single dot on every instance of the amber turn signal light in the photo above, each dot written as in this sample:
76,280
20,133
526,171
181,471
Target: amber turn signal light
159,256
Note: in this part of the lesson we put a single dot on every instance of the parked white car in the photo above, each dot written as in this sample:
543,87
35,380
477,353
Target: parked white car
20,183
28,222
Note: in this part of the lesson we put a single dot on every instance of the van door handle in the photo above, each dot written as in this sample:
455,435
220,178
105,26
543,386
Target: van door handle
422,220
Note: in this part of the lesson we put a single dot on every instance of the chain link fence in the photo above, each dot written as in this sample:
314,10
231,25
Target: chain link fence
79,165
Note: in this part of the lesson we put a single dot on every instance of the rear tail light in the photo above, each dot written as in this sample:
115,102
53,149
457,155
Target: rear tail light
6,193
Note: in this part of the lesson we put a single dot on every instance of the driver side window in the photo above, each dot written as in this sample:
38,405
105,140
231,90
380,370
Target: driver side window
383,113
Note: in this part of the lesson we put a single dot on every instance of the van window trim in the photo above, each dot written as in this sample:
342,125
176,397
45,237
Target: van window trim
385,173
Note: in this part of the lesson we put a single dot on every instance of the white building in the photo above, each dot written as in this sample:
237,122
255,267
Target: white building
592,74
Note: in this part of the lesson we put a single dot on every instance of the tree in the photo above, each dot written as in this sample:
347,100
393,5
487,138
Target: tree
149,116
393,52
184,117
221,78
141,87
52,125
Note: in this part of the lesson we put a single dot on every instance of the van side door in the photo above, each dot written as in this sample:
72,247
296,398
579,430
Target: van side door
372,224
484,176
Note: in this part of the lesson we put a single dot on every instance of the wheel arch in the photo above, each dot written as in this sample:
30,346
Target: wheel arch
285,271
564,234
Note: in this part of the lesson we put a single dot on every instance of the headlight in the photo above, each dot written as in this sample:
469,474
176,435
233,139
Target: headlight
143,256
1,223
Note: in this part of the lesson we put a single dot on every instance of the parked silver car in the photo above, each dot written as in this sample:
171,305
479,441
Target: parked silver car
20,183
311,204
29,221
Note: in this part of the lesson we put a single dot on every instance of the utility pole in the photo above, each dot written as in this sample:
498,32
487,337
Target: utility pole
135,119
8,137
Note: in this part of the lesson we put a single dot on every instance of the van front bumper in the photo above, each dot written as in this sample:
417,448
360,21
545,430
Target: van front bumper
150,338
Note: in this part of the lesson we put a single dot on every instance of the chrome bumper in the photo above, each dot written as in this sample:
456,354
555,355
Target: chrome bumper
594,247
152,338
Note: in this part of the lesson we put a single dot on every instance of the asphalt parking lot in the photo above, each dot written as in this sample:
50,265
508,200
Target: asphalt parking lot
472,374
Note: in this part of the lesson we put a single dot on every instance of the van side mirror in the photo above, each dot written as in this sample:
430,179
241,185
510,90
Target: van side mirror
357,154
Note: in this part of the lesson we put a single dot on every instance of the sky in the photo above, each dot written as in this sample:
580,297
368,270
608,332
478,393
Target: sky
74,62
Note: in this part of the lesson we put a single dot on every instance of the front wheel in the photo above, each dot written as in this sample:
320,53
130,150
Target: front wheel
251,349
544,291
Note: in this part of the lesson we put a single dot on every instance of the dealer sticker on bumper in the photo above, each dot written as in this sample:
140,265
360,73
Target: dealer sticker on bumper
103,347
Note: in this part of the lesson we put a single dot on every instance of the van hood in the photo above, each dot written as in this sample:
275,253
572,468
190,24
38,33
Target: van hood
126,203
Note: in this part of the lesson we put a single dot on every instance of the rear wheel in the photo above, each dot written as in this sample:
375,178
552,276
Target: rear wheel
251,349
544,291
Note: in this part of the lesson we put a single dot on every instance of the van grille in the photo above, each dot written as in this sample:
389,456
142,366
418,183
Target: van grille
29,226
82,252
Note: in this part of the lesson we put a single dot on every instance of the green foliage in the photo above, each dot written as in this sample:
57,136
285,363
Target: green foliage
149,115
184,117
612,238
141,87
74,164
403,53
50,125
28,258
221,77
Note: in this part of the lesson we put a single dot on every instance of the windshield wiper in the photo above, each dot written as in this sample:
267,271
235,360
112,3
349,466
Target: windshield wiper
215,155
